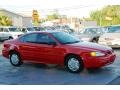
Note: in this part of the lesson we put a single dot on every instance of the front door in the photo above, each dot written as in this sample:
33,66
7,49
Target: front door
48,53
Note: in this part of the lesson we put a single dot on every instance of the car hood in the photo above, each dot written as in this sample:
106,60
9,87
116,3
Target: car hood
111,35
90,46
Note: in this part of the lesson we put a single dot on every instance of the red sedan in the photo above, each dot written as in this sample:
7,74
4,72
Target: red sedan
54,47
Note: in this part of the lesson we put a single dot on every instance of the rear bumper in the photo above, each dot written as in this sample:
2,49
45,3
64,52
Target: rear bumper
5,53
97,62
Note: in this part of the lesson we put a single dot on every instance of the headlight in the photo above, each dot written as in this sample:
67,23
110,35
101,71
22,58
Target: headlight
96,54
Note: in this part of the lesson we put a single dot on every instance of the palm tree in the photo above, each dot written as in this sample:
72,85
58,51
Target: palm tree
5,21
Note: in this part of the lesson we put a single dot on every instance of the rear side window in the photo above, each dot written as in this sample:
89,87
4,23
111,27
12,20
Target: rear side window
1,29
5,30
39,38
30,38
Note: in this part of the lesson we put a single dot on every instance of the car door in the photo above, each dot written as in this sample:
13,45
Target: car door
28,47
6,33
47,53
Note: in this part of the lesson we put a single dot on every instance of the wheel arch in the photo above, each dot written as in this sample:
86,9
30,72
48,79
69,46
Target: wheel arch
13,51
95,38
71,54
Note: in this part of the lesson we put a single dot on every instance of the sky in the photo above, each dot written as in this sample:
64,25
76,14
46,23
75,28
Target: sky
75,8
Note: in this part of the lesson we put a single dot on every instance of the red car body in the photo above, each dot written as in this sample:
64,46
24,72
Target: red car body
55,54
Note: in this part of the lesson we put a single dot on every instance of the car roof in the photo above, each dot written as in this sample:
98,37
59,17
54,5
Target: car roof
49,31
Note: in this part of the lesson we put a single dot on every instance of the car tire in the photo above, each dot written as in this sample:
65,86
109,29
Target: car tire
15,59
74,64
10,38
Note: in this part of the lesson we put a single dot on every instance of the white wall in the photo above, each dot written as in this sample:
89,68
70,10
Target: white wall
18,20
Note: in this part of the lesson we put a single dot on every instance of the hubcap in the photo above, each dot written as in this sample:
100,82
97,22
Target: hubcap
14,59
73,64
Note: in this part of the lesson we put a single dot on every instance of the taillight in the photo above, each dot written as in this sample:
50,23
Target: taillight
6,45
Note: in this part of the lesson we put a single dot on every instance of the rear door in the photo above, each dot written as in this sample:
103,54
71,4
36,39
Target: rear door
28,47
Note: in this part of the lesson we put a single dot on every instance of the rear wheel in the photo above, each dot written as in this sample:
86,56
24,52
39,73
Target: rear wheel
74,64
15,59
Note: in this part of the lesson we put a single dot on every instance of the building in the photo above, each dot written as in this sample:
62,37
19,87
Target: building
18,19
75,23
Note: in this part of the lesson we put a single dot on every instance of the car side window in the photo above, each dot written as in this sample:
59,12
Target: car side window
5,30
30,38
86,31
44,38
1,29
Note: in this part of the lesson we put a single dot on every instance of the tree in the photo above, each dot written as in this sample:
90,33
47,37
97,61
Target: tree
5,20
52,17
55,15
109,15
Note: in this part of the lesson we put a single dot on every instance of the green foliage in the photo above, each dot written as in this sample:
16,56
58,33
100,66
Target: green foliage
52,17
109,15
5,20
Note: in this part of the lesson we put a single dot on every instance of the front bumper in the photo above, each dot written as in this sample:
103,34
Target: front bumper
97,62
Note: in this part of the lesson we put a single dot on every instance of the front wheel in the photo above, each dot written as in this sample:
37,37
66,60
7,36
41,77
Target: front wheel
15,59
10,38
74,64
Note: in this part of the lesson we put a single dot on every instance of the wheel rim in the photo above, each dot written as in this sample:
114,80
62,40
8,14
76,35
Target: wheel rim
73,64
14,59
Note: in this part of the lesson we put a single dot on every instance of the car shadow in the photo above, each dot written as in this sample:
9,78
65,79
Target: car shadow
62,69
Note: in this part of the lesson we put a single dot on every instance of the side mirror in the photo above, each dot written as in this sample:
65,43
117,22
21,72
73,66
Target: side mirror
52,43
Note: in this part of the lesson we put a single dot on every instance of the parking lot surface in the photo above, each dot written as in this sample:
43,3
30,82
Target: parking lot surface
51,75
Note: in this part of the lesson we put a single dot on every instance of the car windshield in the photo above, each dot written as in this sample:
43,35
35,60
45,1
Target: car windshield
114,30
65,38
14,29
93,31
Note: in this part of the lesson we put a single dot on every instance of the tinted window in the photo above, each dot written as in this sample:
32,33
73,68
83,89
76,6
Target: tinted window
29,38
44,39
114,29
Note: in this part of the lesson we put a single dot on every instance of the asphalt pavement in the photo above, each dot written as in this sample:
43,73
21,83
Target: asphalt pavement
37,74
